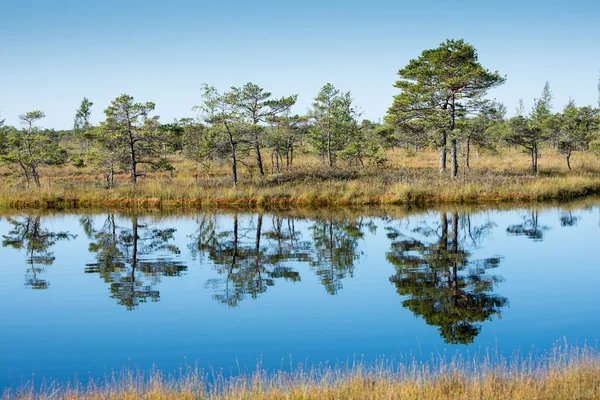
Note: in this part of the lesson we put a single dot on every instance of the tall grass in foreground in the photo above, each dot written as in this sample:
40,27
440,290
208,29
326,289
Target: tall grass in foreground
565,372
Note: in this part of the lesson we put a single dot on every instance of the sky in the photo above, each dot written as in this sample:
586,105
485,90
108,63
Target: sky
54,53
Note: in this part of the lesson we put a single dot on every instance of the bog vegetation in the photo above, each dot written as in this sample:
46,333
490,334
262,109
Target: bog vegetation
246,145
566,372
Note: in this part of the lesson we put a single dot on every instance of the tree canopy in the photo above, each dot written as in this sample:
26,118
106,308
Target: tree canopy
436,86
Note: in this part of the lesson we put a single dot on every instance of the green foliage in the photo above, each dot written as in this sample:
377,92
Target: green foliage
480,130
594,147
128,129
574,129
30,148
442,95
82,130
78,162
172,135
202,145
542,107
335,127
364,146
527,133
162,165
438,86
430,82
284,136
225,125
81,123
107,153
255,107
524,132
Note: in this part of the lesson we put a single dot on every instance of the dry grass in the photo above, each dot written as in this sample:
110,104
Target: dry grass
407,179
563,373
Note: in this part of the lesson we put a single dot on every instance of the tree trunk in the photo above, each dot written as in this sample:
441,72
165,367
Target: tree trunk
444,223
454,172
26,173
134,258
454,232
329,155
35,176
569,162
133,163
276,152
272,162
257,151
532,162
468,153
257,250
233,165
280,160
259,221
454,159
443,152
534,158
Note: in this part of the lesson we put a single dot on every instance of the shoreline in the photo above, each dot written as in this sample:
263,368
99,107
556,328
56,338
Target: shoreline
165,194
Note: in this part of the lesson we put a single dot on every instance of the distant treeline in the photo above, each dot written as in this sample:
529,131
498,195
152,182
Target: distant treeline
442,103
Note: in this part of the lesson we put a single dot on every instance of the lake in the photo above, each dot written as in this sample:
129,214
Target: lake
85,293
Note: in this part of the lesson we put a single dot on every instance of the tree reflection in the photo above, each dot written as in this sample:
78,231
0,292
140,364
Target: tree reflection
336,249
28,233
248,259
444,286
132,259
568,219
530,228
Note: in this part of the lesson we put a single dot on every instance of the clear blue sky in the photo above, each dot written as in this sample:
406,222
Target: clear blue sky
53,53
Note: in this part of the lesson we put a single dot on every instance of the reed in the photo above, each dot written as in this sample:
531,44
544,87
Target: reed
565,372
407,179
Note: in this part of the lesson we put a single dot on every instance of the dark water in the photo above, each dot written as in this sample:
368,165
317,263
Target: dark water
83,294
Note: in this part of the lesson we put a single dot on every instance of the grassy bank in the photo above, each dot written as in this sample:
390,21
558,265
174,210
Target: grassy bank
408,179
563,373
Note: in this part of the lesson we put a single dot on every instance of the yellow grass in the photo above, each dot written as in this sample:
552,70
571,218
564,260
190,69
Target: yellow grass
563,373
408,178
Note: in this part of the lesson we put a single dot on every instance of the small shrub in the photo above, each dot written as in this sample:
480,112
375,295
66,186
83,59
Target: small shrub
78,162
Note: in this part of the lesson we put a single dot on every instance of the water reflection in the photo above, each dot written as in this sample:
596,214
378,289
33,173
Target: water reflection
318,285
442,283
530,228
132,259
250,253
568,219
247,258
28,233
336,244
431,259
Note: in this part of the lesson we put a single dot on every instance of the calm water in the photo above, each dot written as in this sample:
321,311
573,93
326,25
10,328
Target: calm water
83,294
